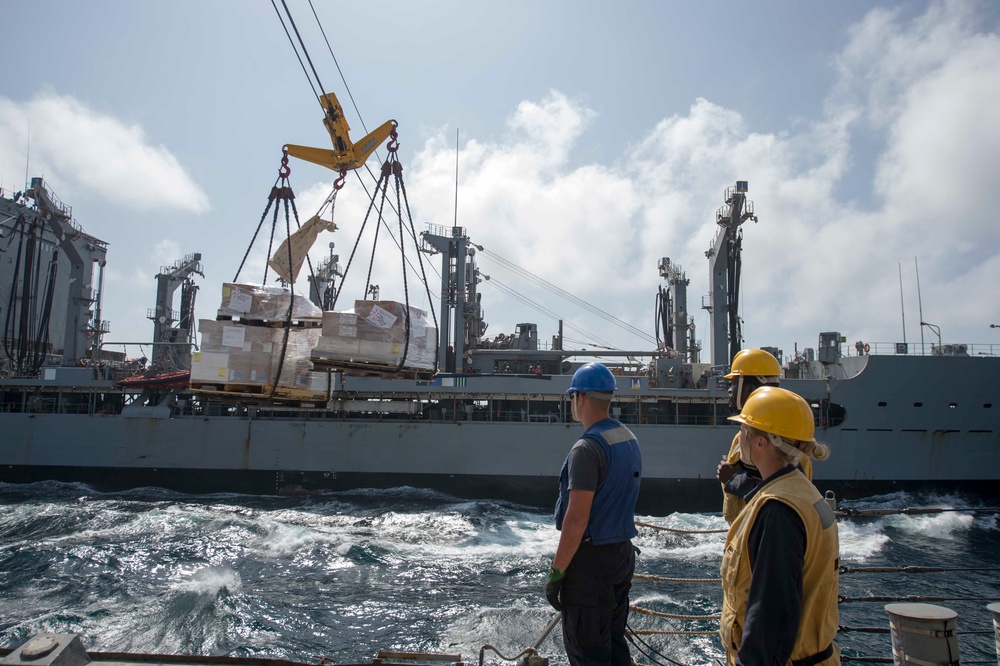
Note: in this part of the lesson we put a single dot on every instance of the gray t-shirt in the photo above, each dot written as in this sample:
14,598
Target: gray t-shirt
588,465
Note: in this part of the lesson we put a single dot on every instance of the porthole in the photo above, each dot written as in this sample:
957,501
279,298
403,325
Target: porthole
918,404
987,405
952,405
882,403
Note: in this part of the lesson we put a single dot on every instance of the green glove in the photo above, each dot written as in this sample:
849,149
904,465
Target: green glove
553,586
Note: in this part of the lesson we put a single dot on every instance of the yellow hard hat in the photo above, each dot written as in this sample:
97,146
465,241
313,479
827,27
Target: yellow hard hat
780,412
754,362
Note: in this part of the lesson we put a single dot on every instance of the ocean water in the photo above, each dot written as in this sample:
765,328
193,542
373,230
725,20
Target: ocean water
346,574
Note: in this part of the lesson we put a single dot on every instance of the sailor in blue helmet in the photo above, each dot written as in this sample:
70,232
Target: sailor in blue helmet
591,573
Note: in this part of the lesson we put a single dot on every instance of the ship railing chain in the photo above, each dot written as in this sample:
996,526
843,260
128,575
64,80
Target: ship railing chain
663,579
680,531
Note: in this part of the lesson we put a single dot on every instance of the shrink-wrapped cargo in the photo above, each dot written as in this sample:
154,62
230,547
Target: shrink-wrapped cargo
372,338
249,356
262,303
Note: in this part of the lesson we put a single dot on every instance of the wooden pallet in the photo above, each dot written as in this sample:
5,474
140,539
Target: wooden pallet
273,323
258,391
367,369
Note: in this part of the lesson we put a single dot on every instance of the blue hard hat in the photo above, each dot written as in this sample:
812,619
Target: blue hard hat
593,377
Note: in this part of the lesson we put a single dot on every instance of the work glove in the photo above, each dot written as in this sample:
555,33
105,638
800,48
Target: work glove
553,586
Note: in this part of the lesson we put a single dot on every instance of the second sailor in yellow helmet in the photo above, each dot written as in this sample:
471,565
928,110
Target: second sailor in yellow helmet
751,369
780,567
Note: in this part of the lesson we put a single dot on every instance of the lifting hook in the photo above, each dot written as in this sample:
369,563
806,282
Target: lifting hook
393,144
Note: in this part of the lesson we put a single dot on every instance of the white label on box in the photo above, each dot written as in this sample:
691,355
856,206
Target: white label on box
348,331
240,301
233,336
381,317
247,347
266,347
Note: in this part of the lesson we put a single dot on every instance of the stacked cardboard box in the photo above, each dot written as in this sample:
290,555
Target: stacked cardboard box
261,303
239,354
374,334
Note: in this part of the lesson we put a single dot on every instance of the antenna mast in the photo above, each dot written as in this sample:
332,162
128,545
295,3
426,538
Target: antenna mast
902,309
920,304
456,177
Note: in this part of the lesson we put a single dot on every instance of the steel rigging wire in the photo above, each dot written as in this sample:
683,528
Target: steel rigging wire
511,266
313,85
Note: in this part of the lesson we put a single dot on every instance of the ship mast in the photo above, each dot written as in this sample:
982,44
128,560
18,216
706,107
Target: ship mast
725,262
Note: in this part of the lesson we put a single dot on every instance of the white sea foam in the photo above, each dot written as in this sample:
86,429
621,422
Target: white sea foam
209,581
860,542
938,526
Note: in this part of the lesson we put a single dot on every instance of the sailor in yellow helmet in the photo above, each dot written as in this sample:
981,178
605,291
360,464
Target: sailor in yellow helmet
751,369
780,565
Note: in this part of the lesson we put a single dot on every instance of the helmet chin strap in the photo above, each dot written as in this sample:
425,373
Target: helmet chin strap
784,446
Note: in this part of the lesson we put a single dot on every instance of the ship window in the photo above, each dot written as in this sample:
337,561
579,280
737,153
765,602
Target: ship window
918,404
882,403
988,405
952,405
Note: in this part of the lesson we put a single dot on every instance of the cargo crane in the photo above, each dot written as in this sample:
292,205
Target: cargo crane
50,261
725,263
173,331
671,312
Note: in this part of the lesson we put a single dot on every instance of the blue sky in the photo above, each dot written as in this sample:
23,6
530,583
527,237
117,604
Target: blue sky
595,138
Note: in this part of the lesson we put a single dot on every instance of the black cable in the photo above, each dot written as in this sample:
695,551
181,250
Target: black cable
536,306
633,637
339,71
305,52
567,296
292,42
420,261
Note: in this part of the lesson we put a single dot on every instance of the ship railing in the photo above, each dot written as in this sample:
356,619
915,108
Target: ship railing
918,349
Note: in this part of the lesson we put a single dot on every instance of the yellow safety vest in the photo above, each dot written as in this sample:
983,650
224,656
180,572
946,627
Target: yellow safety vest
733,504
820,570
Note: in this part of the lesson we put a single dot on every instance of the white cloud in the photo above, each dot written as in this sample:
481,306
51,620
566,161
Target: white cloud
814,263
78,148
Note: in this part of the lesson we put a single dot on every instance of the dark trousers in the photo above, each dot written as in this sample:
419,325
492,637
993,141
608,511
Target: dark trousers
595,604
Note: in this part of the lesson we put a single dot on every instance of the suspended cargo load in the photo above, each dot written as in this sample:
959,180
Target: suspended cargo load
372,339
238,358
261,303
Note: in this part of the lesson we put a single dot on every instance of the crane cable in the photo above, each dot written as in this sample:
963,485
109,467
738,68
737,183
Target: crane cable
513,267
537,306
316,94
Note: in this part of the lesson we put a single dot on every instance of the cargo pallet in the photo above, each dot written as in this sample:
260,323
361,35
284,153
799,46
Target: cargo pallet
369,369
257,391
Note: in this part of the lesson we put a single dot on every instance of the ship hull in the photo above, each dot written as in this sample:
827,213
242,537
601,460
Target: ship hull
518,462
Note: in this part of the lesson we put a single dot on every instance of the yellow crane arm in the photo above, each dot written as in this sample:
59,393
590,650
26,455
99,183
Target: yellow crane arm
345,154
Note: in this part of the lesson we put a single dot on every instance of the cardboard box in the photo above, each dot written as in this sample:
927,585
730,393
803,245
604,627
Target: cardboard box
257,302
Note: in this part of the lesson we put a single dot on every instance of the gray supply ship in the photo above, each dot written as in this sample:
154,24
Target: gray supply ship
489,419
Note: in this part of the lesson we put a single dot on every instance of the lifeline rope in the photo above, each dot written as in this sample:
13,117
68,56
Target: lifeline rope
680,531
911,599
663,579
665,632
646,611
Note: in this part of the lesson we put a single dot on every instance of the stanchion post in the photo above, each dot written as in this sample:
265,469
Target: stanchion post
995,610
923,635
